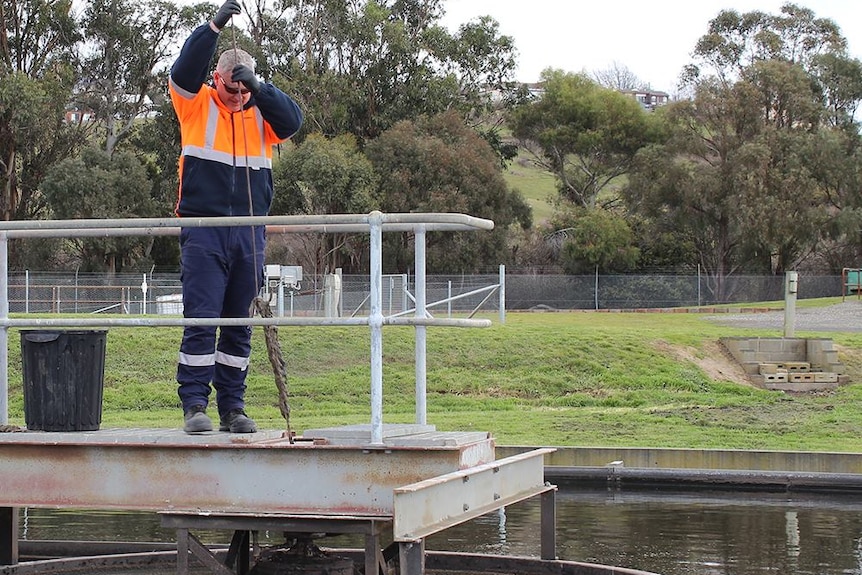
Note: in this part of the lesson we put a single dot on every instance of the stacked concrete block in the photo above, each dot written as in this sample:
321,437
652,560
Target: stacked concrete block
788,364
822,353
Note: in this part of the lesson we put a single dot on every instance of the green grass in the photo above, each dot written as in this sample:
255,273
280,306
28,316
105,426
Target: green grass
539,379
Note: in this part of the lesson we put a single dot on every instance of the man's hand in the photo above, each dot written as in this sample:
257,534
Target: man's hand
228,9
244,75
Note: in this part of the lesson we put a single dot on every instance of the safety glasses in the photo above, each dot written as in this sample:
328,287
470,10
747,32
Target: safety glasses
232,91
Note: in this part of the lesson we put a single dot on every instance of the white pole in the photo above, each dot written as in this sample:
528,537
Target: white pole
375,322
421,330
502,293
4,331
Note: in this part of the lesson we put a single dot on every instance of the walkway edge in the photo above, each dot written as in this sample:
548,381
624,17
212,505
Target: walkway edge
760,469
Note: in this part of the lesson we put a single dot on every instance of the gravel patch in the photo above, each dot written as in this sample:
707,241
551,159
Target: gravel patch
843,317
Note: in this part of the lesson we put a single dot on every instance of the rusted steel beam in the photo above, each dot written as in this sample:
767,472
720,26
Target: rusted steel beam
173,472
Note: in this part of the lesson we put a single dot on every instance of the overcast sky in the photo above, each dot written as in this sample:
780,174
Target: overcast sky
653,40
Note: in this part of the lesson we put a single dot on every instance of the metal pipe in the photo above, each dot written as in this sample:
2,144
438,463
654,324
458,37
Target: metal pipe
4,331
421,334
236,321
375,322
325,223
450,299
502,293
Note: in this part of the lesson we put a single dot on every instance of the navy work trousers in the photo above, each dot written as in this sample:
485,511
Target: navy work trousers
222,272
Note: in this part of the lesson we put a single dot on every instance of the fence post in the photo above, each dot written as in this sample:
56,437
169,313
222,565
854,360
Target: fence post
597,287
699,300
791,283
502,293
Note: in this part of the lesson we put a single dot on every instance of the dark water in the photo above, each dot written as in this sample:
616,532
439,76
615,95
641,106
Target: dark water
667,532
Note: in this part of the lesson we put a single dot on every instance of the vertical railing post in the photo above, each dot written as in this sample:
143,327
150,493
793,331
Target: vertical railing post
375,323
548,525
8,536
4,331
421,330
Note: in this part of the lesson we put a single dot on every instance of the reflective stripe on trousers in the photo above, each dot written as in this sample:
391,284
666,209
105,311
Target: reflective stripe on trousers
220,276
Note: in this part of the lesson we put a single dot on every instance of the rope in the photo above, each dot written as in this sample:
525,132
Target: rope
259,304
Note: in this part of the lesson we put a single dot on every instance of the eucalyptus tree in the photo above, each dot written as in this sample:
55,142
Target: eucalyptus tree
37,73
584,134
438,164
742,177
127,51
734,41
38,69
360,66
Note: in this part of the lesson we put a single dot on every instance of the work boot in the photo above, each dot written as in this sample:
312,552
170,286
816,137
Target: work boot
236,421
196,420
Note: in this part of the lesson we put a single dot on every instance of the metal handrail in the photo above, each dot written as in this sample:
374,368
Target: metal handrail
324,223
374,223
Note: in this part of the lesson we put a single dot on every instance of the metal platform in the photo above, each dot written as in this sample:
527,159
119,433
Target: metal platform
418,482
166,469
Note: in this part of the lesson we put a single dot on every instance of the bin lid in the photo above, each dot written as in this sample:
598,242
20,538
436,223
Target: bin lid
47,336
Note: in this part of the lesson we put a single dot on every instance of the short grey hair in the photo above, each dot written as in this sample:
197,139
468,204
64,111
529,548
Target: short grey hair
229,59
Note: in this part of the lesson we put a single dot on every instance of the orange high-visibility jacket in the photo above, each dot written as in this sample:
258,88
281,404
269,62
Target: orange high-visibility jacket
218,144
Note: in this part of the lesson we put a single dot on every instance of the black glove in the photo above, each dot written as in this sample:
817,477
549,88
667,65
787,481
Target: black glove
228,9
244,75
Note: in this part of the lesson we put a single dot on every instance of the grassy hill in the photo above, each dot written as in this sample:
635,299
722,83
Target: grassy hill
537,186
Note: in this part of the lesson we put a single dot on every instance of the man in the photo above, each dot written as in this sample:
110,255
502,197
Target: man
228,130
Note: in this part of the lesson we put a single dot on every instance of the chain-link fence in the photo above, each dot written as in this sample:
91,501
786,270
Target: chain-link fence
52,292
